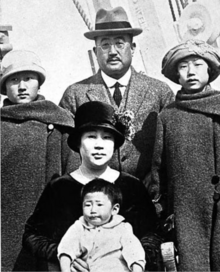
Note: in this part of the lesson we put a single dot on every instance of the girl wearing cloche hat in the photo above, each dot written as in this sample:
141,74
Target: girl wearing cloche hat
99,130
186,161
33,150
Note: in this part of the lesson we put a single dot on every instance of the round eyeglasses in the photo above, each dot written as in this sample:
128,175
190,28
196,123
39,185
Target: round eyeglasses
107,46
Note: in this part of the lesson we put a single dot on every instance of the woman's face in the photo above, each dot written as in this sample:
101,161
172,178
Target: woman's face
22,87
193,74
96,148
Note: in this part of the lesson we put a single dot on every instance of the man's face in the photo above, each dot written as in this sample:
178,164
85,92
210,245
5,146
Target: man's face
22,87
193,74
114,54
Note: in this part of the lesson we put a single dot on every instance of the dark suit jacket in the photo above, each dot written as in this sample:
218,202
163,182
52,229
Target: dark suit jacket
146,97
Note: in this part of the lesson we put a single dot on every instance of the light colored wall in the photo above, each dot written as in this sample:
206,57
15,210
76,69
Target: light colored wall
54,30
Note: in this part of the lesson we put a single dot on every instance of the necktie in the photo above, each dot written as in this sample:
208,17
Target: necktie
117,94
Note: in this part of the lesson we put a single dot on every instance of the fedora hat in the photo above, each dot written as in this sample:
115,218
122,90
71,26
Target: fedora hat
18,61
94,114
190,48
111,22
195,23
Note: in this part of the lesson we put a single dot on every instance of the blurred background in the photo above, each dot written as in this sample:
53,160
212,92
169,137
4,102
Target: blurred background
54,30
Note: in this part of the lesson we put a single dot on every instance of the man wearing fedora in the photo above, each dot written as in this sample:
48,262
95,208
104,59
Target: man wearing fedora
118,84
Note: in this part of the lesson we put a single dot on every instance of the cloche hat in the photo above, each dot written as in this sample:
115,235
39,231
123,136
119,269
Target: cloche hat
94,114
111,22
190,48
18,61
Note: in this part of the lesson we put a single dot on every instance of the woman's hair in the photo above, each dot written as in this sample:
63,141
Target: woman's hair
100,185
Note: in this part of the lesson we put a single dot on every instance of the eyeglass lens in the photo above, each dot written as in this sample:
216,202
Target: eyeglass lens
106,46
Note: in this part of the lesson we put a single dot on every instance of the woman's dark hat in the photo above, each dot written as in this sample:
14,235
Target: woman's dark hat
191,48
90,115
112,22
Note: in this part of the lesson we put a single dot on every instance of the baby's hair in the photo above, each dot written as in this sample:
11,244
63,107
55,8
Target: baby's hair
100,185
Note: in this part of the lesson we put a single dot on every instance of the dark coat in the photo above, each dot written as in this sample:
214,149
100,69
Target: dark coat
60,206
186,157
146,97
33,150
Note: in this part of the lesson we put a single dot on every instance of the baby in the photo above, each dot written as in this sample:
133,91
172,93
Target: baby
100,237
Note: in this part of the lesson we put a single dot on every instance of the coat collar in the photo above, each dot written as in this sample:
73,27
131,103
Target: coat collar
207,102
40,110
97,91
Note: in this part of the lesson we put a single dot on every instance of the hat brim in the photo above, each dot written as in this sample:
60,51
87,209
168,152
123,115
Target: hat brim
28,68
73,139
91,35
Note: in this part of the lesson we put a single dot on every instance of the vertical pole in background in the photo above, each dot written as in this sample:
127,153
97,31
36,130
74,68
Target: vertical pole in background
92,62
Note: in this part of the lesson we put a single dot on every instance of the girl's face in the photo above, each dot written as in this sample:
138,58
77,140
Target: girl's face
96,148
193,74
22,87
98,208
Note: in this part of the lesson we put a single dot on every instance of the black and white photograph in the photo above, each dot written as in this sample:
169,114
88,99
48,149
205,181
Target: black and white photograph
110,135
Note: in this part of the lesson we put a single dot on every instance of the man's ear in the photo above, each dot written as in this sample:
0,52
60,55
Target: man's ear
133,47
95,50
115,209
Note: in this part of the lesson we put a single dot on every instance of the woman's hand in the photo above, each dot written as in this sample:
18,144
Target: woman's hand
78,265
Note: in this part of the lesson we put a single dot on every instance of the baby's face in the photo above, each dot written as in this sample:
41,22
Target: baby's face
22,87
193,74
98,208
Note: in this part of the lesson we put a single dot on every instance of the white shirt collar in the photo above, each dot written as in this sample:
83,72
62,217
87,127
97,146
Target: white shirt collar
110,82
110,175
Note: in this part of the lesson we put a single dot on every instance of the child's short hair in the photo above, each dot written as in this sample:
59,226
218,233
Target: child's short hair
101,185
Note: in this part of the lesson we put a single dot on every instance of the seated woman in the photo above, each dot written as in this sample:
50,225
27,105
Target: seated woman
98,132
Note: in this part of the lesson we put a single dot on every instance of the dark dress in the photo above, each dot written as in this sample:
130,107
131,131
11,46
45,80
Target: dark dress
60,206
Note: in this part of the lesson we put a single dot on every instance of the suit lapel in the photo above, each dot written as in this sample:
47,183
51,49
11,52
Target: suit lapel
135,97
97,90
136,93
